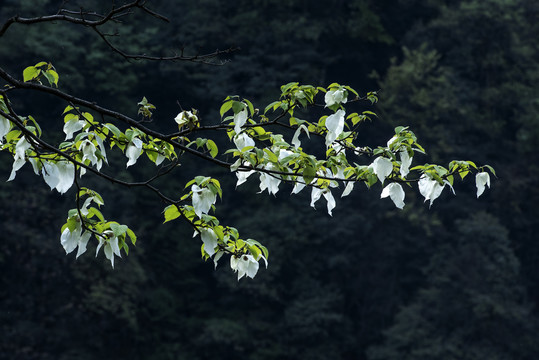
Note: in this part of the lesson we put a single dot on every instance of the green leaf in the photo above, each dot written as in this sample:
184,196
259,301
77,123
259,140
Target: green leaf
132,236
225,107
273,105
491,169
49,77
171,212
118,229
72,223
250,106
237,106
93,211
68,108
39,132
309,173
30,73
114,130
271,156
398,129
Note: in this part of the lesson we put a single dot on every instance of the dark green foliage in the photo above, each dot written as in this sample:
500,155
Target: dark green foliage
416,284
472,305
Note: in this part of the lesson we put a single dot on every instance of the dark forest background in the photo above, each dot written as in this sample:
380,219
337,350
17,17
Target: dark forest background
457,281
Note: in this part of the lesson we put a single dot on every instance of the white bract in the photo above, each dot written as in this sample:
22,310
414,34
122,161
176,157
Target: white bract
185,117
382,167
431,189
269,182
244,265
242,141
299,185
111,246
333,97
71,240
348,189
66,176
59,176
209,238
72,126
406,161
283,153
395,192
19,157
101,148
88,153
133,151
239,120
217,256
242,176
317,192
5,126
295,138
335,126
203,199
482,179
391,141
159,159
51,174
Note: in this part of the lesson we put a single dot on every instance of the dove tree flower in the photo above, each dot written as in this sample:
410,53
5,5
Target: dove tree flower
59,176
316,193
337,96
111,247
244,265
269,182
243,140
482,179
431,189
395,192
70,240
185,117
203,198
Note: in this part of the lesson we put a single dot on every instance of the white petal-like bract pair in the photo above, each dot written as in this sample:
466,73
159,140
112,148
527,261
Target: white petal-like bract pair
243,140
111,247
203,199
185,117
244,265
395,192
317,192
333,97
269,182
71,240
59,175
431,189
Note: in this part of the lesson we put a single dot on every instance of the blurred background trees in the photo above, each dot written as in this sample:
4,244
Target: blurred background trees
458,281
